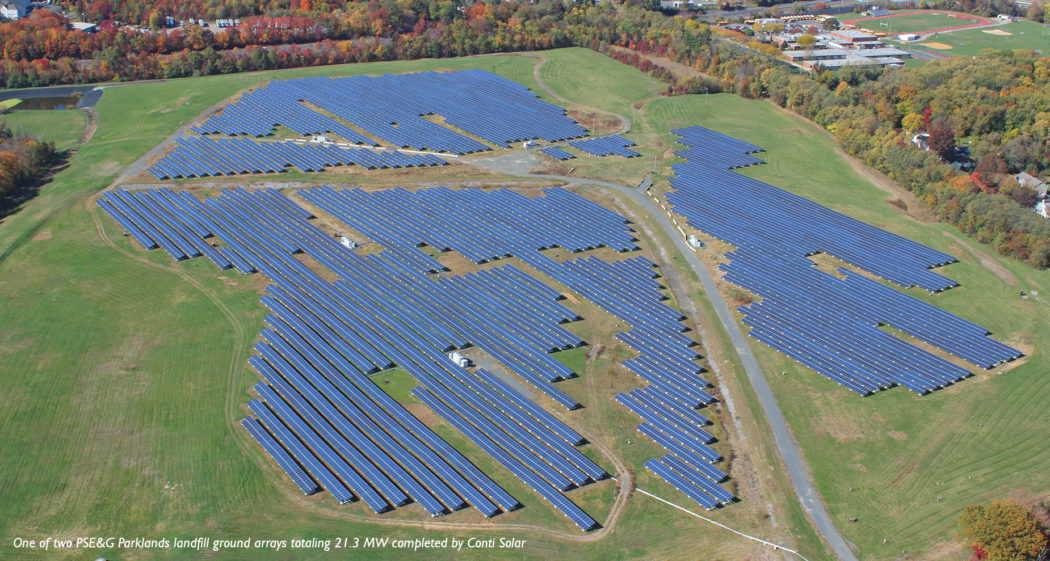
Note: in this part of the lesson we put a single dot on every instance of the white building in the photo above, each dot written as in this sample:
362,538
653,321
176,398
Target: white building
14,9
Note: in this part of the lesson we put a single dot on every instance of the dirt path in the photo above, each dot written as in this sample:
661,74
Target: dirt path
678,70
987,261
91,127
912,206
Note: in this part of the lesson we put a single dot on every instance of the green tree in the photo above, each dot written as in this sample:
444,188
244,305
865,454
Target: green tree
806,42
1005,531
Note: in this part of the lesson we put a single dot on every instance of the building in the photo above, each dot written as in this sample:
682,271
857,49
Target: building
879,12
14,9
1004,17
906,37
1029,180
85,26
833,59
852,38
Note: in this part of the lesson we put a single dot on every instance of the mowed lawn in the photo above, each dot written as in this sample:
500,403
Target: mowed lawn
970,42
903,465
914,22
123,375
64,127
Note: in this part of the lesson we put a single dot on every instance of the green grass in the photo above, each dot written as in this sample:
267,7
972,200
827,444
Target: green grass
914,23
397,383
899,452
64,128
9,103
970,42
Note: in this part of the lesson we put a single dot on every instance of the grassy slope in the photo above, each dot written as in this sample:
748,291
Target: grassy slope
122,379
899,452
62,127
969,42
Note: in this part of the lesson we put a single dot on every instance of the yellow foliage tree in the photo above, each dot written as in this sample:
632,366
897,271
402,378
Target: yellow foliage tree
1005,531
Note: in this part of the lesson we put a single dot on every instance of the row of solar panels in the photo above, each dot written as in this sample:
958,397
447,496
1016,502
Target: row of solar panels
314,319
394,108
612,145
828,323
558,153
201,157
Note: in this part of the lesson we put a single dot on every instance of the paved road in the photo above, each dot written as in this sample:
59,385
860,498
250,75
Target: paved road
519,164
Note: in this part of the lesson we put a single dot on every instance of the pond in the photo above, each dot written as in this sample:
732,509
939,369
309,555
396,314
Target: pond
50,102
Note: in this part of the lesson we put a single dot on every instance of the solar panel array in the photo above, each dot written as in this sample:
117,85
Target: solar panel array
394,108
558,153
830,323
202,157
320,417
606,146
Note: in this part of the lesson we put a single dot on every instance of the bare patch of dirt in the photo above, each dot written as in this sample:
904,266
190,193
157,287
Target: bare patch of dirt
42,235
897,435
424,414
597,123
842,430
987,261
858,467
258,282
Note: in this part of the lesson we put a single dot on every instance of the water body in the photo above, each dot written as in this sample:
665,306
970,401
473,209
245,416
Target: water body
58,102
63,97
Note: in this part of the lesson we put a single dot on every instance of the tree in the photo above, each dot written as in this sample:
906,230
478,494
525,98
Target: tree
1005,531
806,42
829,24
942,140
912,122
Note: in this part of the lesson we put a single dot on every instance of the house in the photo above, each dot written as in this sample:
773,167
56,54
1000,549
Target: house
1041,210
14,9
1029,180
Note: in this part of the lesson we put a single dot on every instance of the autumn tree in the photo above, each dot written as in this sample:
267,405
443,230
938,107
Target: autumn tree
942,139
1005,531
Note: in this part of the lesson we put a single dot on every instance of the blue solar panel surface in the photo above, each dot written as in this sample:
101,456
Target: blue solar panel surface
830,323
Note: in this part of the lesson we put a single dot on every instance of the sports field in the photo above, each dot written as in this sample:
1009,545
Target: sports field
970,42
917,22
129,429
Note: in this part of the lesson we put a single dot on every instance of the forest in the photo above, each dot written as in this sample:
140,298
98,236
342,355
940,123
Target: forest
997,106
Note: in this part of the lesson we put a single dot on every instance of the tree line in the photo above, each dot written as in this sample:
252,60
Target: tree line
23,160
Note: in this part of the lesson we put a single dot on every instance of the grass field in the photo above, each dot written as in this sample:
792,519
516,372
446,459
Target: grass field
62,127
903,465
914,22
970,42
123,376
